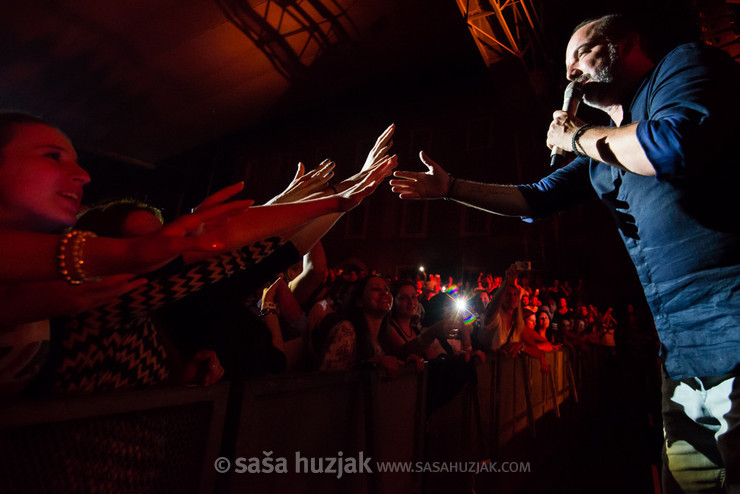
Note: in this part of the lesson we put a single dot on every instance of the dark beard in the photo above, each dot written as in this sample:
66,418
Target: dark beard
600,91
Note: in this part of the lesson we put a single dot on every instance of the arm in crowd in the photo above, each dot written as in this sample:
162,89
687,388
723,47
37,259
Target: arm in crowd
313,275
32,256
20,303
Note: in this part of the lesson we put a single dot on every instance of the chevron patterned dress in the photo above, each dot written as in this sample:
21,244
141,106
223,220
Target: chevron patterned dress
116,345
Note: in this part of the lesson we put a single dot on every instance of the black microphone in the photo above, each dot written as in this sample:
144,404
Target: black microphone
571,99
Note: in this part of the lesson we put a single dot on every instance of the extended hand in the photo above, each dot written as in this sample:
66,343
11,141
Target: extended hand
185,234
432,184
380,150
305,184
371,178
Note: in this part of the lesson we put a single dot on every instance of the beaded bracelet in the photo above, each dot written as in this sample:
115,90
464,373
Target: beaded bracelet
70,260
576,136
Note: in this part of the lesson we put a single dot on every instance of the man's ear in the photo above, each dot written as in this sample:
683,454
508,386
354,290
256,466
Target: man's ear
629,43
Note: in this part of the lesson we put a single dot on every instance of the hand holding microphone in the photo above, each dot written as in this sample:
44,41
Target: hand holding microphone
571,99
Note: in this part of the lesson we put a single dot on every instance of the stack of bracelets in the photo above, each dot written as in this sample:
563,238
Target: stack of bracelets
70,256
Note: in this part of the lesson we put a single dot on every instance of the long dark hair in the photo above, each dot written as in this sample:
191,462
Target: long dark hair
356,315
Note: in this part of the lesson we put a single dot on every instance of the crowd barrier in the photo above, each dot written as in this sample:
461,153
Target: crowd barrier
169,440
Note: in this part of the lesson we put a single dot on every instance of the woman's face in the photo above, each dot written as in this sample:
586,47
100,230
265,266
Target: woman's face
406,302
531,321
543,320
376,299
40,180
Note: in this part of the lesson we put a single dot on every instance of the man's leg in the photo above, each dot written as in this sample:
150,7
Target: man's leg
724,402
691,458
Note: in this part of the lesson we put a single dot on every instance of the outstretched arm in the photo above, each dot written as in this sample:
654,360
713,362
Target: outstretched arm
29,257
436,183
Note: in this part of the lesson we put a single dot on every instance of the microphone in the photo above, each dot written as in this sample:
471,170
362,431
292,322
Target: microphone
571,99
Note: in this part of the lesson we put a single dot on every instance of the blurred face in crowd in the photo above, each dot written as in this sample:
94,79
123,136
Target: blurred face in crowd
543,321
531,322
376,298
485,298
525,299
40,181
566,324
511,298
563,304
406,302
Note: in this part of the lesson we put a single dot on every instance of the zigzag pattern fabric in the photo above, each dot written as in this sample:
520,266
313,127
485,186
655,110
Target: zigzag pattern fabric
116,345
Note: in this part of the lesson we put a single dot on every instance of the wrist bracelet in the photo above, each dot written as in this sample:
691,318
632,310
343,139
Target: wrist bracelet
267,312
70,256
451,184
576,136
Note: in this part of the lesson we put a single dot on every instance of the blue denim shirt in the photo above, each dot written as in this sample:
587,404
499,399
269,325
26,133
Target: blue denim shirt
681,228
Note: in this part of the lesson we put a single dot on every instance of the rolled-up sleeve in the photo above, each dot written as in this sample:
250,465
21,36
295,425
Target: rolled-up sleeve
560,190
690,111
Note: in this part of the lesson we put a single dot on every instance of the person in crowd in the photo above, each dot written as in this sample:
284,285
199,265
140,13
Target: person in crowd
502,323
41,187
405,336
562,312
526,303
535,344
356,339
544,327
664,167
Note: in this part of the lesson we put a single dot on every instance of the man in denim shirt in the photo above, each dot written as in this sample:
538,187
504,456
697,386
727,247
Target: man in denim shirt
667,170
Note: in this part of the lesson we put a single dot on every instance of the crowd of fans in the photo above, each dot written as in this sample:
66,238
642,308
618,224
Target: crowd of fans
270,306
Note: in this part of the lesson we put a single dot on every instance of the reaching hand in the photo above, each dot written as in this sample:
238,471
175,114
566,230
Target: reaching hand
380,150
432,184
370,179
305,184
187,233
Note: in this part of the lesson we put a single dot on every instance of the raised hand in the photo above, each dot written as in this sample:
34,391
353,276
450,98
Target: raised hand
305,184
370,179
380,149
432,184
